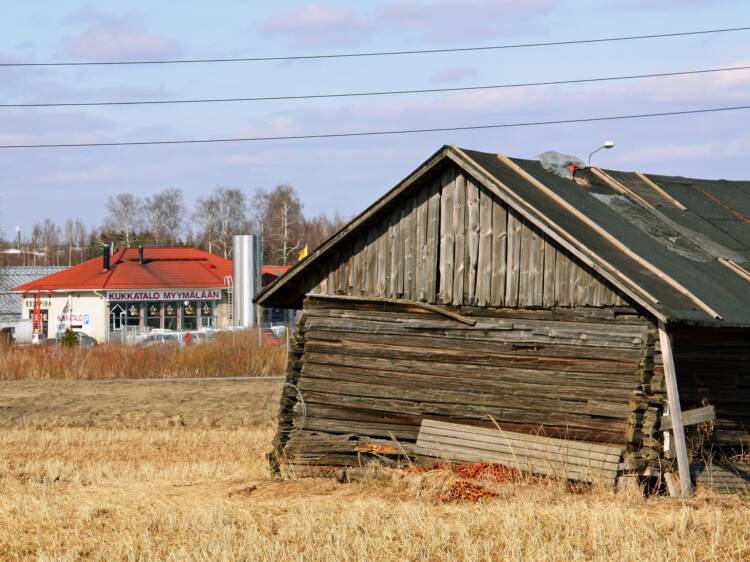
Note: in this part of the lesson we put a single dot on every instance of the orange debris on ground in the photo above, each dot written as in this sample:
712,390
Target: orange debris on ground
464,490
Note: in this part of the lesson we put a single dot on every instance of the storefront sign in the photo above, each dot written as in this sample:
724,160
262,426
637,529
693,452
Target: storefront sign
165,295
43,303
75,319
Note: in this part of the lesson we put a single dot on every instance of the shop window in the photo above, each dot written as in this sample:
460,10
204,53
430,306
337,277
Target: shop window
189,315
117,316
153,315
170,316
208,314
133,317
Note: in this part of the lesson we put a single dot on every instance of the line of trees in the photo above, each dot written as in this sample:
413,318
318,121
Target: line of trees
163,219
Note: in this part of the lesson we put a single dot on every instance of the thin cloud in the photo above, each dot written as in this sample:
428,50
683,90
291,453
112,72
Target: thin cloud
454,74
108,36
318,25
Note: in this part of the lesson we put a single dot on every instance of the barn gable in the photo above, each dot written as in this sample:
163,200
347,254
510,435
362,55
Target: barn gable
445,236
449,240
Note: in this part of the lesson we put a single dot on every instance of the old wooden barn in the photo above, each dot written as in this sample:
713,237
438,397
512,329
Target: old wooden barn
487,309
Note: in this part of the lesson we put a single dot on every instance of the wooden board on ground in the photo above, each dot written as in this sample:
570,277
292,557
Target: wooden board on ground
559,458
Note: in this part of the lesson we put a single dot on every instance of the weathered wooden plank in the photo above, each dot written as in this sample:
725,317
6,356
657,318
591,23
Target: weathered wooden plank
393,253
383,261
550,260
372,262
499,258
459,242
401,245
421,244
447,235
514,259
562,285
691,417
484,261
549,456
537,265
433,242
472,233
409,253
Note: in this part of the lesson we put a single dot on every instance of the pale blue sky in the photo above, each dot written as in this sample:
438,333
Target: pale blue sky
348,174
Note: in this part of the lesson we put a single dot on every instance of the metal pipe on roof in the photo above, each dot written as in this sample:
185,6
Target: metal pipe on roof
246,278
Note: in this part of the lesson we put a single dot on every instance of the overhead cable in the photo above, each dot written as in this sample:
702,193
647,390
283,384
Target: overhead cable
379,133
379,53
370,93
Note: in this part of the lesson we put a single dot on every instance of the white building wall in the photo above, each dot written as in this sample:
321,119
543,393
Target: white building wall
89,313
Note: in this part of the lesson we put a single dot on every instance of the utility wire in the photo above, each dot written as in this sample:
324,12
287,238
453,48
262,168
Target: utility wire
370,93
379,53
381,133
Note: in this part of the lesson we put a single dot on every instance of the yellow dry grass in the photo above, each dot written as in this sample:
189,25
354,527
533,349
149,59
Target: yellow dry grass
227,356
202,493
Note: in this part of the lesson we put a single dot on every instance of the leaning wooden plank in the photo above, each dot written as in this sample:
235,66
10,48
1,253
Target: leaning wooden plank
446,235
472,234
493,433
459,238
521,450
675,410
484,262
691,417
504,442
555,460
499,245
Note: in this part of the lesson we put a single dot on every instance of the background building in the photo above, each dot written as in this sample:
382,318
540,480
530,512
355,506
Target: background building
132,292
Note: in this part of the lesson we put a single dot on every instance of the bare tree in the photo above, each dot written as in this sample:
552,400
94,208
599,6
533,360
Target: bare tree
48,235
280,213
321,227
69,239
174,211
124,216
231,217
206,214
79,235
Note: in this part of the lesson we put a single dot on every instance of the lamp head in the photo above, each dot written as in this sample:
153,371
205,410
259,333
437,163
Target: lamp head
609,144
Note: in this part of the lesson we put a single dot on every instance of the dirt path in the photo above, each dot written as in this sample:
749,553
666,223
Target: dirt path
137,403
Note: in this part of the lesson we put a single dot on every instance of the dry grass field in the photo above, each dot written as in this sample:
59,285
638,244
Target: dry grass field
164,479
227,356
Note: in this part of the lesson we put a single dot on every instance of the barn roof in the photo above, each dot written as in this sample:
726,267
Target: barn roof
186,268
679,247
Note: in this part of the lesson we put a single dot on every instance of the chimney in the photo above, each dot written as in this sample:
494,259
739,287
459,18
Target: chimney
140,255
105,258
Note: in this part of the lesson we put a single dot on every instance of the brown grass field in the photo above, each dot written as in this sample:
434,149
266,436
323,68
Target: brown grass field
175,470
227,356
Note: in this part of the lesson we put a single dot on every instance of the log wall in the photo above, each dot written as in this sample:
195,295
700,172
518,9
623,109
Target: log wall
370,373
453,242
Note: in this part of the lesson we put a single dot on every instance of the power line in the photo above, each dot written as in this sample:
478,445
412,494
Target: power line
379,53
371,93
380,133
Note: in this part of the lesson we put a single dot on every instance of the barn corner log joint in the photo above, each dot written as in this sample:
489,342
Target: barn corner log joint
484,289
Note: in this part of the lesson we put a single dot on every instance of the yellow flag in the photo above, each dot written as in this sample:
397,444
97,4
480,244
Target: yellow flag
303,253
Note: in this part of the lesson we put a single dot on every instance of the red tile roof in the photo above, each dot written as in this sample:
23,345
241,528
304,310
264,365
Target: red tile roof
186,268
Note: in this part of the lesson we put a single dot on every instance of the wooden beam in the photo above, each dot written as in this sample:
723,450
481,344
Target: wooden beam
660,191
617,186
737,268
423,305
675,411
607,236
691,417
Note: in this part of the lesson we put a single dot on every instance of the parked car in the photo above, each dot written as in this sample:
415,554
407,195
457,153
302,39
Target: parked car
84,340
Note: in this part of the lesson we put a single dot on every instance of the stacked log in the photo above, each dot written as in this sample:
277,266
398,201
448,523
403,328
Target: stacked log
371,372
